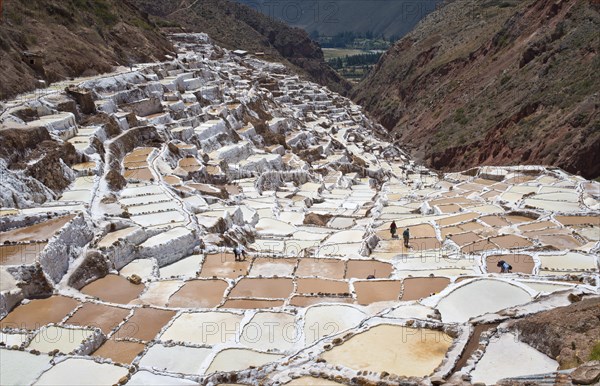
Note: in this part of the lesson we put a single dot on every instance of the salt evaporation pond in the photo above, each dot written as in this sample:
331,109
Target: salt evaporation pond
507,357
271,331
236,359
77,371
479,297
65,340
175,359
395,349
20,367
325,320
204,328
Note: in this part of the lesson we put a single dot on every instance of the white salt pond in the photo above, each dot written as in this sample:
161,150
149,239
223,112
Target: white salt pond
507,357
65,340
239,359
77,371
165,237
271,331
146,378
175,359
269,226
479,297
204,328
326,320
185,267
20,367
10,339
157,293
112,237
144,268
395,349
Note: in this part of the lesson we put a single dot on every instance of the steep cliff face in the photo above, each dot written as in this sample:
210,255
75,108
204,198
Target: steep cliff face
495,82
75,37
236,26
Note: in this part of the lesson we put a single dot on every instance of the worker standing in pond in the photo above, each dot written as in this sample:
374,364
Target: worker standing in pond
393,229
239,253
504,267
406,235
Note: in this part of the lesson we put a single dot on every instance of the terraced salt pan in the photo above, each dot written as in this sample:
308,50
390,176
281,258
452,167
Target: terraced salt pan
268,226
165,237
184,267
39,312
199,294
113,289
324,268
65,340
271,331
547,287
152,219
120,351
144,268
76,371
479,297
571,261
19,254
158,293
144,190
325,320
524,360
204,328
147,378
310,381
395,349
37,232
267,267
145,324
175,359
153,208
112,237
239,359
10,339
20,367
146,199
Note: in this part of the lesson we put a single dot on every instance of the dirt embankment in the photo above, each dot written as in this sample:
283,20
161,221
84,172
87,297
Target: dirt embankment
495,83
566,334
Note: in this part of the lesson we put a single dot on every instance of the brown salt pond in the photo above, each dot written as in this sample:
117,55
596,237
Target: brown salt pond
113,289
223,265
275,288
119,351
579,220
145,324
511,242
139,174
495,221
372,291
98,315
516,219
20,253
457,219
37,232
326,268
250,304
463,239
39,312
305,301
472,344
519,262
416,288
361,269
537,226
395,349
323,286
479,246
424,244
199,294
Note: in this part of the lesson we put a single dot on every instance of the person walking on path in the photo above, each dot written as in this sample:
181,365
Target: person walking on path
393,229
406,235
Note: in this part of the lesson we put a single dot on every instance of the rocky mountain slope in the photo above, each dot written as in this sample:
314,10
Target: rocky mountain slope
495,82
387,17
76,37
236,26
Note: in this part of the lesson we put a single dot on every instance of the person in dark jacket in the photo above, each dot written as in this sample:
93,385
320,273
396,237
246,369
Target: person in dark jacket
406,236
393,229
504,267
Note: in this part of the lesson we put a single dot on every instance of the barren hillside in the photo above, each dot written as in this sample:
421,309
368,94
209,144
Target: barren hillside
76,37
495,82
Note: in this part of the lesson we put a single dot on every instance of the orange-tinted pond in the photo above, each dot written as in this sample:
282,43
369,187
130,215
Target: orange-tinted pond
37,232
520,263
223,265
305,301
368,292
119,351
416,288
39,312
262,288
199,294
145,324
249,304
323,286
361,269
113,289
98,315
